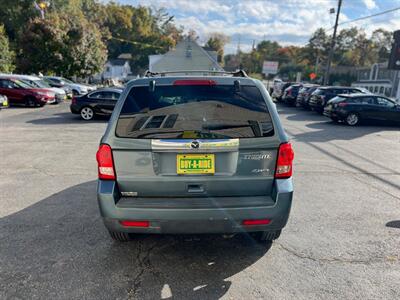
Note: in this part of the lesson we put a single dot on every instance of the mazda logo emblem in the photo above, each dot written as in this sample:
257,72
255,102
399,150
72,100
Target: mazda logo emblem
195,145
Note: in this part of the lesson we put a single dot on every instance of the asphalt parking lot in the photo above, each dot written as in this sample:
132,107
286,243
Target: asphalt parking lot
342,239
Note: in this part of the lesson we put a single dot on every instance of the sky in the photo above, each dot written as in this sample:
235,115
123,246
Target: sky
289,22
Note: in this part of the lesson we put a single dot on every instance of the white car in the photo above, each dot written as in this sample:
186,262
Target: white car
77,88
38,82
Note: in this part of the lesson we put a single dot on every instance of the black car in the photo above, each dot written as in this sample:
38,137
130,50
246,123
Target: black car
304,95
356,108
290,94
322,95
278,94
98,103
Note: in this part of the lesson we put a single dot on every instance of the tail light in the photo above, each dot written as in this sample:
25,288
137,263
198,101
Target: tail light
105,163
128,223
289,92
256,222
194,82
342,104
73,100
284,164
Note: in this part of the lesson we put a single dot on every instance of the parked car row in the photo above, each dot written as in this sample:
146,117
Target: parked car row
350,105
35,91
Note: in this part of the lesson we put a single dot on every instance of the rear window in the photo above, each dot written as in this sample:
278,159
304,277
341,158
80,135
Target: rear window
319,92
179,112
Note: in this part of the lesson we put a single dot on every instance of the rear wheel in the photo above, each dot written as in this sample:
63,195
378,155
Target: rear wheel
87,113
267,236
30,102
120,236
352,119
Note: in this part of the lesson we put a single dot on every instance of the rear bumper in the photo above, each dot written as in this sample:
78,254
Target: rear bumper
216,219
333,114
316,106
75,109
290,99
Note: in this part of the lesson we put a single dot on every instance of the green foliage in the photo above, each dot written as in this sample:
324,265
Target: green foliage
353,49
76,36
62,44
6,55
216,42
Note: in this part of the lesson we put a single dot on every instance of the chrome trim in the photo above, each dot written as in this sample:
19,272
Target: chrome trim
186,144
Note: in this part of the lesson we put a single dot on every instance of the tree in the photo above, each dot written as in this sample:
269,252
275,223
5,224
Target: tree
63,44
6,55
382,40
217,42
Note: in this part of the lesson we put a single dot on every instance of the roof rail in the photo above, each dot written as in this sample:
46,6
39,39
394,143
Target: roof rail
237,73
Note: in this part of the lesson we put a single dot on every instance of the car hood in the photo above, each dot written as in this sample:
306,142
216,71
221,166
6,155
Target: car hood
56,90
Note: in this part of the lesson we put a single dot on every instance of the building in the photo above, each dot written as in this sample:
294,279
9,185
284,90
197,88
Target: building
116,69
378,79
187,55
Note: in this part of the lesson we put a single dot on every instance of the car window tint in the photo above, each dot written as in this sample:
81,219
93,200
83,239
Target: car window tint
384,102
3,83
367,100
96,95
115,96
214,112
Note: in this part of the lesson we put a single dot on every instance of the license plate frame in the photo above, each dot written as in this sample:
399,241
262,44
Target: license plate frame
195,164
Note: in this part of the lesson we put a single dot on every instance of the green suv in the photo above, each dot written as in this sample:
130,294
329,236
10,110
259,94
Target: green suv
195,154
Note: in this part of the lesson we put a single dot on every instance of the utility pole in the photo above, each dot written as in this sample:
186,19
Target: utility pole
238,54
332,50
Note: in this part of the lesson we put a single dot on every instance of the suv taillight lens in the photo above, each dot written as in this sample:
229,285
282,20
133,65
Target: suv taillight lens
105,163
284,164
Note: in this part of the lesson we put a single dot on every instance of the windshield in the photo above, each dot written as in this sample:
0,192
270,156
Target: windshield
194,112
36,83
24,84
67,80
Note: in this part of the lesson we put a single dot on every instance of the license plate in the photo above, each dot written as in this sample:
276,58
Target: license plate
195,163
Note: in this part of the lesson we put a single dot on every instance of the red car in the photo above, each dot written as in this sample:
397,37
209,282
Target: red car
18,92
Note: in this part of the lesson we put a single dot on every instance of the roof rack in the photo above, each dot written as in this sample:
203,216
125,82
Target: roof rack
237,73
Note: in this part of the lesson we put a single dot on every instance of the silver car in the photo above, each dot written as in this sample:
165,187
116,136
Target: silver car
195,154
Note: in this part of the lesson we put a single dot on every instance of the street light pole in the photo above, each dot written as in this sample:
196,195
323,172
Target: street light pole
332,50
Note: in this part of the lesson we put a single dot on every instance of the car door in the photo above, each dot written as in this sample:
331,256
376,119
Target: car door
386,110
97,101
11,90
109,101
366,107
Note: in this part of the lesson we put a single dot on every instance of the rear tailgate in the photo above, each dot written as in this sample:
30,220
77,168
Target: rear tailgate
230,133
239,171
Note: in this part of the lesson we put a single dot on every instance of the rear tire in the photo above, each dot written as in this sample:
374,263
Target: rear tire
87,113
120,236
352,119
267,236
30,102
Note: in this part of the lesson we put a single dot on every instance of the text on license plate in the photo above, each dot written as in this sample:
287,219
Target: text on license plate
195,163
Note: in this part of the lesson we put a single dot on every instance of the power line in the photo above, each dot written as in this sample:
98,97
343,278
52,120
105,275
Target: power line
137,43
369,16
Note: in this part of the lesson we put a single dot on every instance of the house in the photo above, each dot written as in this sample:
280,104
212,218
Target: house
187,55
118,69
378,79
